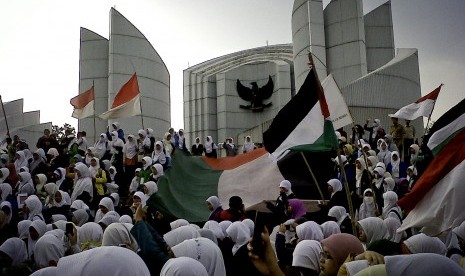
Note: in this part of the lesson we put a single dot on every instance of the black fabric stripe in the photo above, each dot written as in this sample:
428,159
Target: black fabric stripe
446,119
291,114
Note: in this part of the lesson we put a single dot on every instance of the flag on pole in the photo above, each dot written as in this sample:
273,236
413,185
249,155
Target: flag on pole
126,102
446,128
436,200
303,124
340,114
423,107
83,104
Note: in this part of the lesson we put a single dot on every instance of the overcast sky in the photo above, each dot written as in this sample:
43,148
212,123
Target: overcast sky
39,42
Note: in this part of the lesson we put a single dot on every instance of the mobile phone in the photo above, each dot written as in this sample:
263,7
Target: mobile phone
257,242
69,228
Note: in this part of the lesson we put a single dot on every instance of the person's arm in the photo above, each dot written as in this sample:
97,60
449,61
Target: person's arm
266,264
101,178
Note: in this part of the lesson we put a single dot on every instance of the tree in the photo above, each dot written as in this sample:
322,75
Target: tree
60,131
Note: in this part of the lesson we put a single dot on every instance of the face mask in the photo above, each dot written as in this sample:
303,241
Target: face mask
368,200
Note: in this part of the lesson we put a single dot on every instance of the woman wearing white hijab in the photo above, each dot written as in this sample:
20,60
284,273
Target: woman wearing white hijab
330,227
158,155
183,266
239,234
83,183
7,204
6,190
250,224
384,154
336,186
80,217
125,219
205,251
25,185
178,223
119,233
339,213
392,225
108,219
16,249
210,147
33,207
215,228
421,264
48,250
214,205
36,231
23,229
60,176
362,180
50,189
181,234
159,172
391,209
146,168
422,243
62,199
368,207
5,172
371,229
307,256
150,188
105,205
90,235
94,166
224,226
101,146
79,204
248,145
20,160
389,184
309,230
104,260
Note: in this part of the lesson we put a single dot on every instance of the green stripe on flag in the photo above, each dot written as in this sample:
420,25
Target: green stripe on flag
326,142
439,147
183,191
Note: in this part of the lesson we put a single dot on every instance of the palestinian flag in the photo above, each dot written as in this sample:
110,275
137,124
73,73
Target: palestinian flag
254,176
436,200
446,128
303,124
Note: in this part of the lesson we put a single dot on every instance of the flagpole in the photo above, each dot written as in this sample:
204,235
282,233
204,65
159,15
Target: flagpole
4,115
429,117
95,127
140,105
349,198
313,175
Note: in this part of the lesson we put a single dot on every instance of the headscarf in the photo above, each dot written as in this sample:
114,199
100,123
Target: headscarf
112,175
392,225
6,190
224,226
7,204
178,223
250,224
203,250
125,219
183,266
395,164
359,172
34,205
90,235
341,245
307,254
42,181
5,173
41,228
142,196
65,199
414,156
248,146
57,217
53,152
109,218
373,160
329,228
152,188
104,260
368,207
130,148
374,229
309,230
148,162
81,216
83,183
421,264
16,249
210,145
107,164
51,189
214,226
60,224
384,155
119,233
61,173
298,208
94,169
79,204
23,228
214,201
239,234
339,213
168,144
180,234
336,184
100,146
48,248
422,243
116,141
390,203
390,184
208,234
159,169
287,185
42,159
21,161
115,199
25,181
379,181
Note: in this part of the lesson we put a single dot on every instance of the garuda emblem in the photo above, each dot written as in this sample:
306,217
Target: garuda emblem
255,95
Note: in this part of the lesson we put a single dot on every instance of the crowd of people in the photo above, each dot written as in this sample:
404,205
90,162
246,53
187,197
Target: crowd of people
70,208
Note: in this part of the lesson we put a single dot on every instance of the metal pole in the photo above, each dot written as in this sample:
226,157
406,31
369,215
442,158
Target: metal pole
313,175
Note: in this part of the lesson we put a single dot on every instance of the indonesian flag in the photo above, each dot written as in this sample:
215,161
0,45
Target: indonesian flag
126,102
423,107
83,104
303,124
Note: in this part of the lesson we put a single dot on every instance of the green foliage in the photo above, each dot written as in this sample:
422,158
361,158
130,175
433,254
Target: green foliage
60,131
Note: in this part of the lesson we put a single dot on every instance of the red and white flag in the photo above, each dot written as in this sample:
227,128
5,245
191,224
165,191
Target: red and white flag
423,107
126,102
83,104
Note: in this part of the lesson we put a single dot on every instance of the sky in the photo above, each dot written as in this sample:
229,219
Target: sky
39,42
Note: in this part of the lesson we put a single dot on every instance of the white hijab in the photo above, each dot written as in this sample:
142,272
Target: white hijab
151,187
23,228
65,199
183,266
339,213
148,162
215,228
205,251
374,229
239,234
422,243
81,216
94,169
21,161
90,235
16,249
34,205
248,146
100,147
159,169
41,228
210,145
421,264
390,203
60,172
6,190
79,204
48,248
336,184
330,227
119,233
392,225
307,254
395,164
5,173
83,183
367,208
8,205
224,226
178,223
107,203
309,230
130,148
178,235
